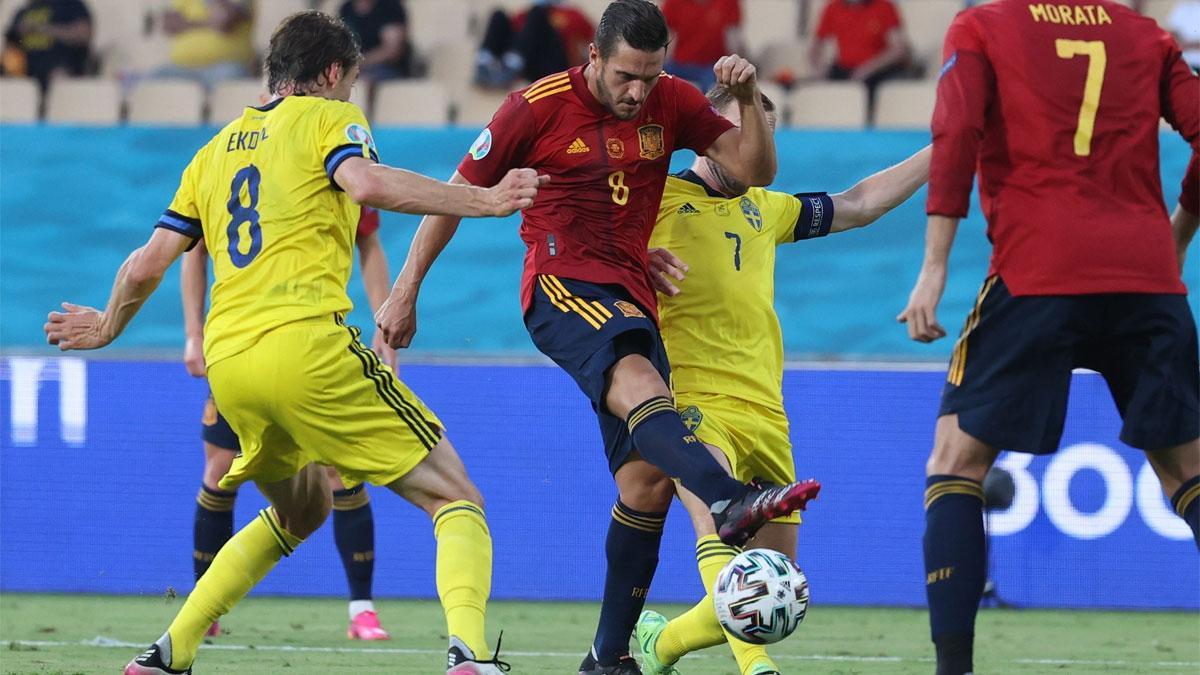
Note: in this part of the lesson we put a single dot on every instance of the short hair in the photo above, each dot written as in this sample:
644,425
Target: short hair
639,23
304,45
721,98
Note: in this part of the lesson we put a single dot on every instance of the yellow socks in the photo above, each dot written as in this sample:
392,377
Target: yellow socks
464,571
240,564
698,627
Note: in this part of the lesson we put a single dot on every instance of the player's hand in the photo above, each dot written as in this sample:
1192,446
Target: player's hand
665,266
515,191
193,356
397,319
76,328
383,350
921,312
739,76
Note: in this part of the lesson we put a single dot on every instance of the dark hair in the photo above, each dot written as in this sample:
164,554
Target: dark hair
639,23
304,45
720,98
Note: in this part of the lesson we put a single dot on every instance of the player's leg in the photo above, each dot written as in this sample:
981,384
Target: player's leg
631,553
354,534
213,523
1149,359
636,391
1006,387
954,544
298,507
439,485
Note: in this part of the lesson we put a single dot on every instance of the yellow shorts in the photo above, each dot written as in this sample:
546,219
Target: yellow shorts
754,438
311,392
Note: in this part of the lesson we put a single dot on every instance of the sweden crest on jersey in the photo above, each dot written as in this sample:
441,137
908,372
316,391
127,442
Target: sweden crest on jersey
692,417
752,214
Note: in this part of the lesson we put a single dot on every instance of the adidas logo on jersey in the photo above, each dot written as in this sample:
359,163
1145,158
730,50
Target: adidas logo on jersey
688,210
578,147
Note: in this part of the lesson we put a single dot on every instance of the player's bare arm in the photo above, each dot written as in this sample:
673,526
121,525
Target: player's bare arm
373,262
747,152
81,327
921,312
396,319
193,287
392,189
874,196
1183,225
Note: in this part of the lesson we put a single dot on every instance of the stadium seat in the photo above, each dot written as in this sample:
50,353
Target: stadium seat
167,102
434,22
453,64
925,23
902,104
85,100
592,8
411,102
831,105
268,14
229,98
475,107
122,40
782,60
769,21
18,100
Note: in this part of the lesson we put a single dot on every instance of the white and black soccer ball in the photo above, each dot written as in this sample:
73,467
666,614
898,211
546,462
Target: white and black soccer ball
761,596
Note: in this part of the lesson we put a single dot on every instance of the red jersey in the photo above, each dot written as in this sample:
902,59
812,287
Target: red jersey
368,223
700,28
593,220
1057,104
860,30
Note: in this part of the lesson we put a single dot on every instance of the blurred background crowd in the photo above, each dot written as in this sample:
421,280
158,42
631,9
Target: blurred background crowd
832,63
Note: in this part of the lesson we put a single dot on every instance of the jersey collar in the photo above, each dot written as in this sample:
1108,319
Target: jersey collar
269,106
691,177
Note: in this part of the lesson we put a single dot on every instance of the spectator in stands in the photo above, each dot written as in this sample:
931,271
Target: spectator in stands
48,39
211,40
549,37
1184,24
861,40
702,31
382,28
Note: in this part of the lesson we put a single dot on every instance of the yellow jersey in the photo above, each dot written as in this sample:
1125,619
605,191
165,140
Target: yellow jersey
203,46
279,230
721,332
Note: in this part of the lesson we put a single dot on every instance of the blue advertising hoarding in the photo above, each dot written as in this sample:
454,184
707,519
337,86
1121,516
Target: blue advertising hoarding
100,462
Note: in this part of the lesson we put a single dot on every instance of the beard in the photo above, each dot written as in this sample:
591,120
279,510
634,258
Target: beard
609,101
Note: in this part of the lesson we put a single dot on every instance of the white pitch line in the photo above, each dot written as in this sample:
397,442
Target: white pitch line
105,642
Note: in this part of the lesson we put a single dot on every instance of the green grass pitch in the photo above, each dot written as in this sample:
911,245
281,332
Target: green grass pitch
99,634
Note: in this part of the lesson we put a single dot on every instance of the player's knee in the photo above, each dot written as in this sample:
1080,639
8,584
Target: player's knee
649,493
303,519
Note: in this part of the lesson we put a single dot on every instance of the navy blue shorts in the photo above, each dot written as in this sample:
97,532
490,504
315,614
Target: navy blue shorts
216,430
586,328
1011,369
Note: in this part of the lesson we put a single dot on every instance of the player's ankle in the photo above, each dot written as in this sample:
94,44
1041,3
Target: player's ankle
955,654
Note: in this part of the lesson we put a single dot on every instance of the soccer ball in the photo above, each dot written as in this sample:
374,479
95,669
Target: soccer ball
761,596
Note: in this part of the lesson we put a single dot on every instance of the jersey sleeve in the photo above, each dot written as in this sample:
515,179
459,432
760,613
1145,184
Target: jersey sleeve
504,144
1180,94
344,133
699,122
368,223
1189,197
805,215
965,91
183,215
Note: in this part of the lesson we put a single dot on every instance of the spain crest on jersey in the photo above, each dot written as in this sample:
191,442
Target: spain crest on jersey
752,214
629,309
650,141
692,417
